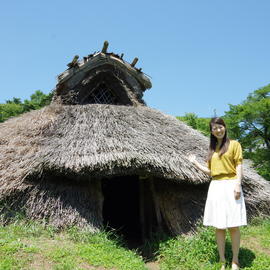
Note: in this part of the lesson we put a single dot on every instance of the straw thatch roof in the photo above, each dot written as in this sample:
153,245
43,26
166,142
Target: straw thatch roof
84,143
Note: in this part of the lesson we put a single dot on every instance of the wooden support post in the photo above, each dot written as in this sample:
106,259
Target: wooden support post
134,62
105,46
142,209
156,205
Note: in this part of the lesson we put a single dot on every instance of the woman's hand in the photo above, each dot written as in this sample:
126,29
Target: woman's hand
237,191
193,160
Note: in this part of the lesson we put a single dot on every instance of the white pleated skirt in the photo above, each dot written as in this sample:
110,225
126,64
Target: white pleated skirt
221,209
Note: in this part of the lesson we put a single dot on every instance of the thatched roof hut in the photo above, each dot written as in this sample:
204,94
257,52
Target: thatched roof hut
98,155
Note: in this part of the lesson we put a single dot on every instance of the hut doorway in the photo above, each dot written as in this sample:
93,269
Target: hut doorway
128,208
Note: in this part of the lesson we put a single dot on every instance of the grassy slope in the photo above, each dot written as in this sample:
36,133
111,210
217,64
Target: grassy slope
31,246
200,253
28,245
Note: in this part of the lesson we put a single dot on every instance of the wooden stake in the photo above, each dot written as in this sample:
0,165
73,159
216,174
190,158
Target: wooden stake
74,62
105,46
156,204
134,62
142,212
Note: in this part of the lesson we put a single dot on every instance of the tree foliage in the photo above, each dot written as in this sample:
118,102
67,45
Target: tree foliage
249,122
15,106
199,123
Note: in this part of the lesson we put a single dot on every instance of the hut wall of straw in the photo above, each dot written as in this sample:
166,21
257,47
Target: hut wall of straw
53,160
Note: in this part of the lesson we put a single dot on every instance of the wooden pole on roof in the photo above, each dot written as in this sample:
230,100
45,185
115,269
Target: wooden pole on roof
74,61
105,46
134,62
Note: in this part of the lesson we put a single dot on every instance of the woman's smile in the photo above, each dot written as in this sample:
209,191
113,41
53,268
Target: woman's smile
218,131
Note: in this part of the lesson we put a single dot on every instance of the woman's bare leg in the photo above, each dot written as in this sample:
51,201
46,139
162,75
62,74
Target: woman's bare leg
235,238
220,237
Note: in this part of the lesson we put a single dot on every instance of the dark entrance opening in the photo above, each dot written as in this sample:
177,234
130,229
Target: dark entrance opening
121,207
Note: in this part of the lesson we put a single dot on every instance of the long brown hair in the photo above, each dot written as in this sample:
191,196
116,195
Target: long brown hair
213,140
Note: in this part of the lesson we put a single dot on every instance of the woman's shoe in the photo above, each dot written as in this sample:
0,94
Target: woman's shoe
223,265
235,266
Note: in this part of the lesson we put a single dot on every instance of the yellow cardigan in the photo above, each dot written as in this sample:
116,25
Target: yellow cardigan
224,167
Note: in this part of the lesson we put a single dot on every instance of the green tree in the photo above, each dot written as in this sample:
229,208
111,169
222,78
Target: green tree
15,106
199,123
14,100
249,122
10,110
39,99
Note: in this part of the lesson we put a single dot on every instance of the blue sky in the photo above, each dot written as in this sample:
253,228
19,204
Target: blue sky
201,55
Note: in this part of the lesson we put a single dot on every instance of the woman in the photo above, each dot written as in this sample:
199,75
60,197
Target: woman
225,205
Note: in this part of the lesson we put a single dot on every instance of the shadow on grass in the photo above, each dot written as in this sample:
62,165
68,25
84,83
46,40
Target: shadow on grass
246,256
150,248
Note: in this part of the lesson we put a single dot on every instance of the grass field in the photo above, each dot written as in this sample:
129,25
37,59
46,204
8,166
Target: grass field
30,245
199,252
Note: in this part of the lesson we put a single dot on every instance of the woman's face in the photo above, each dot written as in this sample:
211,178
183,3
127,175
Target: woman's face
218,131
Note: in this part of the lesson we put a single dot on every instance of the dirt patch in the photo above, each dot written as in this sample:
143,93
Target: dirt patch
253,244
152,266
40,262
90,267
46,244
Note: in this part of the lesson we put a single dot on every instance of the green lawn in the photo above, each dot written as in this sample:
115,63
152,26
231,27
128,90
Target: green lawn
200,253
30,245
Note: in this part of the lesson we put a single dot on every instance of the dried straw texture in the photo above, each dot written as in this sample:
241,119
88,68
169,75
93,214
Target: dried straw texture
107,140
52,160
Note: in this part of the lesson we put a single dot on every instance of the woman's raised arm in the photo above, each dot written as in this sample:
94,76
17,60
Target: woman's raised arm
192,159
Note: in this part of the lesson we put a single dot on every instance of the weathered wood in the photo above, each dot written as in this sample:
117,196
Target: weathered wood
96,61
134,62
105,46
142,209
74,62
156,204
